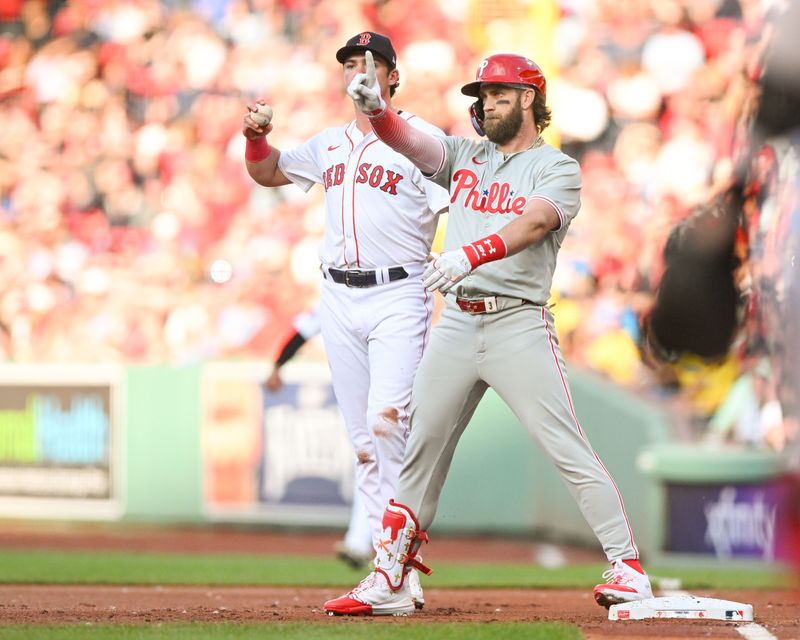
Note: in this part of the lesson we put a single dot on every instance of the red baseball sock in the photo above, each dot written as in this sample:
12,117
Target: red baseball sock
634,564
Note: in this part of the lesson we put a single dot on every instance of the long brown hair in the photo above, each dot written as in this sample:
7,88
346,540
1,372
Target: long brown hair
541,112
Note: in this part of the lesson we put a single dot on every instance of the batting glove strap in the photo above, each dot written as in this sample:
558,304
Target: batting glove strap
485,250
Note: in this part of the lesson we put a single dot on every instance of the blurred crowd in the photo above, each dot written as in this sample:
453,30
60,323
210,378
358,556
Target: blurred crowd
130,231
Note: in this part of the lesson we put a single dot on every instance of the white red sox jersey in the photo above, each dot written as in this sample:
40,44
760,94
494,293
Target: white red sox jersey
380,209
489,189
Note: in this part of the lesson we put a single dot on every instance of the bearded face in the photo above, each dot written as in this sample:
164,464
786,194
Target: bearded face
501,129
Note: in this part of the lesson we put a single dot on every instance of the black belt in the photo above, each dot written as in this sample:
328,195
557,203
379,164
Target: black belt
365,277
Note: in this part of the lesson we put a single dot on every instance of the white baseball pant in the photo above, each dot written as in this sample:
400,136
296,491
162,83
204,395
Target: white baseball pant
374,338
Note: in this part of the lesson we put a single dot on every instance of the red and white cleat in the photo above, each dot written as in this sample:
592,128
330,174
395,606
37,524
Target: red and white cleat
623,584
372,597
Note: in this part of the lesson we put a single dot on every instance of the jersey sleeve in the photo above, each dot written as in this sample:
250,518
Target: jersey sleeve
437,196
301,164
560,185
452,148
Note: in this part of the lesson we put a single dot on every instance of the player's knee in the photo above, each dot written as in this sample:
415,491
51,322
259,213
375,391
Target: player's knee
386,422
364,456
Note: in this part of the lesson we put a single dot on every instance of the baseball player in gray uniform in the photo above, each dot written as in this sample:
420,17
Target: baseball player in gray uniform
512,198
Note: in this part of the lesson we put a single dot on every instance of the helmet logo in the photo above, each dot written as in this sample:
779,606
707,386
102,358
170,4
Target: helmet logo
364,39
482,67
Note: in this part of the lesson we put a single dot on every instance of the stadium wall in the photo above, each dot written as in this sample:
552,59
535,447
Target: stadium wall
204,444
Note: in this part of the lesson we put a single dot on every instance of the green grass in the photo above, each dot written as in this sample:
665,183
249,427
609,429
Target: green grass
114,567
107,567
294,631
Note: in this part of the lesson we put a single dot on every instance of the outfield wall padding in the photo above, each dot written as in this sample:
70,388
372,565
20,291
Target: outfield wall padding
499,470
163,445
500,482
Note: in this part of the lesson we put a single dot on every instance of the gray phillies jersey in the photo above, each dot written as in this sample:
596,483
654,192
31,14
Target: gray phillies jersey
487,191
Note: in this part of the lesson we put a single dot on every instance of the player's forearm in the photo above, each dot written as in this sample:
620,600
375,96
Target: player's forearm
539,219
424,150
291,347
264,170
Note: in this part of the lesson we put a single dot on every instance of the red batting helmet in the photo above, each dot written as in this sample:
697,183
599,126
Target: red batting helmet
506,68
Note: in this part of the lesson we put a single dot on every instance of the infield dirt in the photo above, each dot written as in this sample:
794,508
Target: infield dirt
777,611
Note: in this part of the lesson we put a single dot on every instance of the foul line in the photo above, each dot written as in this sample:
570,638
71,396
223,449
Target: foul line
750,631
753,631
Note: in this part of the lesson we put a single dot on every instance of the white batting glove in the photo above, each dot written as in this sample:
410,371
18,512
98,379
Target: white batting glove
365,91
446,271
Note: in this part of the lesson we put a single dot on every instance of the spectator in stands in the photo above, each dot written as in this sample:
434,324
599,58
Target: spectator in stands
120,178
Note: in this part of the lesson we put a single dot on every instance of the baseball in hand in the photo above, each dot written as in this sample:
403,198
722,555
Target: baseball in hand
262,115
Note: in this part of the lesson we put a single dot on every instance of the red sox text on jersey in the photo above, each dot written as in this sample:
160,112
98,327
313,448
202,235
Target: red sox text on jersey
495,199
375,176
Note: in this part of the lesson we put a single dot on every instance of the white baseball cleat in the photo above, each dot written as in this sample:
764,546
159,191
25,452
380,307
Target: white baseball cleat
415,589
623,584
372,597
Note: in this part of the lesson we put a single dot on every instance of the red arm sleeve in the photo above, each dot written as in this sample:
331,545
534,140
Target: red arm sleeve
424,150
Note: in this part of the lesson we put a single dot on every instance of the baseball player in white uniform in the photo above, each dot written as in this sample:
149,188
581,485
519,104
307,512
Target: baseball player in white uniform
512,198
375,314
356,547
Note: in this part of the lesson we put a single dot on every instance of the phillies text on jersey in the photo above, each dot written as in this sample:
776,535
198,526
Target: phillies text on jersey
496,198
489,189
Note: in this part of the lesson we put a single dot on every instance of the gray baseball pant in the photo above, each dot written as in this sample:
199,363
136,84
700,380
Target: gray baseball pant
516,352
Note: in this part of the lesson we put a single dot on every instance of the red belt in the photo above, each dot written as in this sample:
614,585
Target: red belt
488,305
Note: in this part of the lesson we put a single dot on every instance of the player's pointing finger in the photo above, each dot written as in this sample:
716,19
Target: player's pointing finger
370,66
365,90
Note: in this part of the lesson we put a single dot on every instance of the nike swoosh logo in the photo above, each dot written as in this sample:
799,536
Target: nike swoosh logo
476,161
334,146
